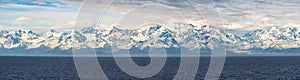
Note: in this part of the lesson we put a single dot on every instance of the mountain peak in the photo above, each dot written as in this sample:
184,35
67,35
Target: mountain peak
52,30
89,30
25,31
273,28
155,27
115,28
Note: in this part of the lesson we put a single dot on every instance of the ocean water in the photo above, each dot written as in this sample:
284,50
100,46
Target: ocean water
235,68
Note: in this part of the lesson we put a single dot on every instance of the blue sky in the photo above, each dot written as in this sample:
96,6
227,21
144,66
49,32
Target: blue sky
52,3
234,15
35,14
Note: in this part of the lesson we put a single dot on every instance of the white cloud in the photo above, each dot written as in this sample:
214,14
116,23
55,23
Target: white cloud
72,25
236,14
64,26
233,26
291,25
38,29
260,14
23,19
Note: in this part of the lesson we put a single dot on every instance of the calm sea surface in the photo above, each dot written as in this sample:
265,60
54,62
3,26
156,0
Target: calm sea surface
63,68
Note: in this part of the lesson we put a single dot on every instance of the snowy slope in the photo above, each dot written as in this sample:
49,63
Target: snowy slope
183,35
276,38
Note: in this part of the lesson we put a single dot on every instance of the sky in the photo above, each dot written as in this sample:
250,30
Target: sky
238,16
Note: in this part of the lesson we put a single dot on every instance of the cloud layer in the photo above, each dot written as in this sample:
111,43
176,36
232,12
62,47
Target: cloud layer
234,15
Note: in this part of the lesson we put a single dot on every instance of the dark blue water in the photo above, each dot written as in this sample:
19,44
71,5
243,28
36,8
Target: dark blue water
58,68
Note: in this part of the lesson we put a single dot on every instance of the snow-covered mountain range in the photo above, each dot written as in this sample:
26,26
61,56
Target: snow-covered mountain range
271,39
184,35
